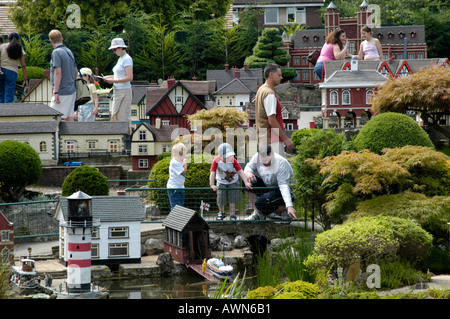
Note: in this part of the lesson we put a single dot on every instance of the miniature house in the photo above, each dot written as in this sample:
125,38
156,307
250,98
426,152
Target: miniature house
117,238
187,236
6,241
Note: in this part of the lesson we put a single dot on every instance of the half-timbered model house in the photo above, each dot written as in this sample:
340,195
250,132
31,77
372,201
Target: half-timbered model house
187,236
173,100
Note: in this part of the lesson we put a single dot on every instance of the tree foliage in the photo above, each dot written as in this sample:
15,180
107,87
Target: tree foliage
86,179
431,213
426,92
365,175
20,166
309,189
267,50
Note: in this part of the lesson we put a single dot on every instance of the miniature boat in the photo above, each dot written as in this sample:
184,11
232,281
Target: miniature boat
219,269
23,277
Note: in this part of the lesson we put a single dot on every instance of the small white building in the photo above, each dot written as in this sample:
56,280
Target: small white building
118,238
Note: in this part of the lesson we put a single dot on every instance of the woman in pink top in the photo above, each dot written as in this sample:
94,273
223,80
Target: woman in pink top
370,48
335,48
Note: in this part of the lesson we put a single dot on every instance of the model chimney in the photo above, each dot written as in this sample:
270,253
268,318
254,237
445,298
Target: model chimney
237,73
226,67
170,82
245,67
158,123
354,63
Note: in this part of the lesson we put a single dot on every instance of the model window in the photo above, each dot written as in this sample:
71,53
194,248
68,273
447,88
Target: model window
118,250
118,232
43,147
271,16
334,99
346,97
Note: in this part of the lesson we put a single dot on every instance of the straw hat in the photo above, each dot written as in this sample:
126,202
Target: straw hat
117,43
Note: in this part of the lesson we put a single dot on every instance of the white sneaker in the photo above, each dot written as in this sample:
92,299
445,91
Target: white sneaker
256,215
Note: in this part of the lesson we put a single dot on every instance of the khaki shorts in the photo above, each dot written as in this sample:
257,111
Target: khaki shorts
66,105
228,196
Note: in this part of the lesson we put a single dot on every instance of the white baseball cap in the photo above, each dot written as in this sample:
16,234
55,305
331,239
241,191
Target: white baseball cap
225,150
87,71
117,43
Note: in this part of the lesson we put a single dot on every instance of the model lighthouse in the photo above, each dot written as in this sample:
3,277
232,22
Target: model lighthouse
79,230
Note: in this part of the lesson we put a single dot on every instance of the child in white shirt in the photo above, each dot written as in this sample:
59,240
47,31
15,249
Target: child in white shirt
177,175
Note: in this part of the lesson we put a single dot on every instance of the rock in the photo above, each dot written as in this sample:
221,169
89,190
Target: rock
165,263
240,242
220,243
154,246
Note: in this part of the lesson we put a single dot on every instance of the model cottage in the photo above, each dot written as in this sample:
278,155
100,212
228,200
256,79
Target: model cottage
187,236
117,239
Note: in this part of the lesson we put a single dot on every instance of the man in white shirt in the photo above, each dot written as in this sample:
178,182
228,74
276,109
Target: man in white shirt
269,169
268,116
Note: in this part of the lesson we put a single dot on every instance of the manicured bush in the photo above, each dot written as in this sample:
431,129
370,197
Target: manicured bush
414,242
389,130
291,295
307,289
366,238
33,72
266,292
20,166
431,213
86,179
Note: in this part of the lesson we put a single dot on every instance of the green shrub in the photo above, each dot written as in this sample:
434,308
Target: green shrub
33,72
431,213
368,239
20,166
414,242
307,289
197,175
396,274
266,292
291,295
86,179
390,130
298,136
308,188
429,169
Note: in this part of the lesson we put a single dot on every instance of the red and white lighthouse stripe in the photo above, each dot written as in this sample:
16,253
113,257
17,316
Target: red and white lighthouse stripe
79,260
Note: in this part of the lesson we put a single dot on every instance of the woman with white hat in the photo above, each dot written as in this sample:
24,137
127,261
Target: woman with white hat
88,112
123,75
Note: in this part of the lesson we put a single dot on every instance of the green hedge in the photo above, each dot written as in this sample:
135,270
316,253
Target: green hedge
389,130
431,213
33,72
371,240
86,179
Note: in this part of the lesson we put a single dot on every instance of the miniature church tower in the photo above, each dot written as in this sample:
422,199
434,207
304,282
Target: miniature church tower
79,230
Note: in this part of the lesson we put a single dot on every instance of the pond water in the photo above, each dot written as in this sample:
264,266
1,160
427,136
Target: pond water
186,286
